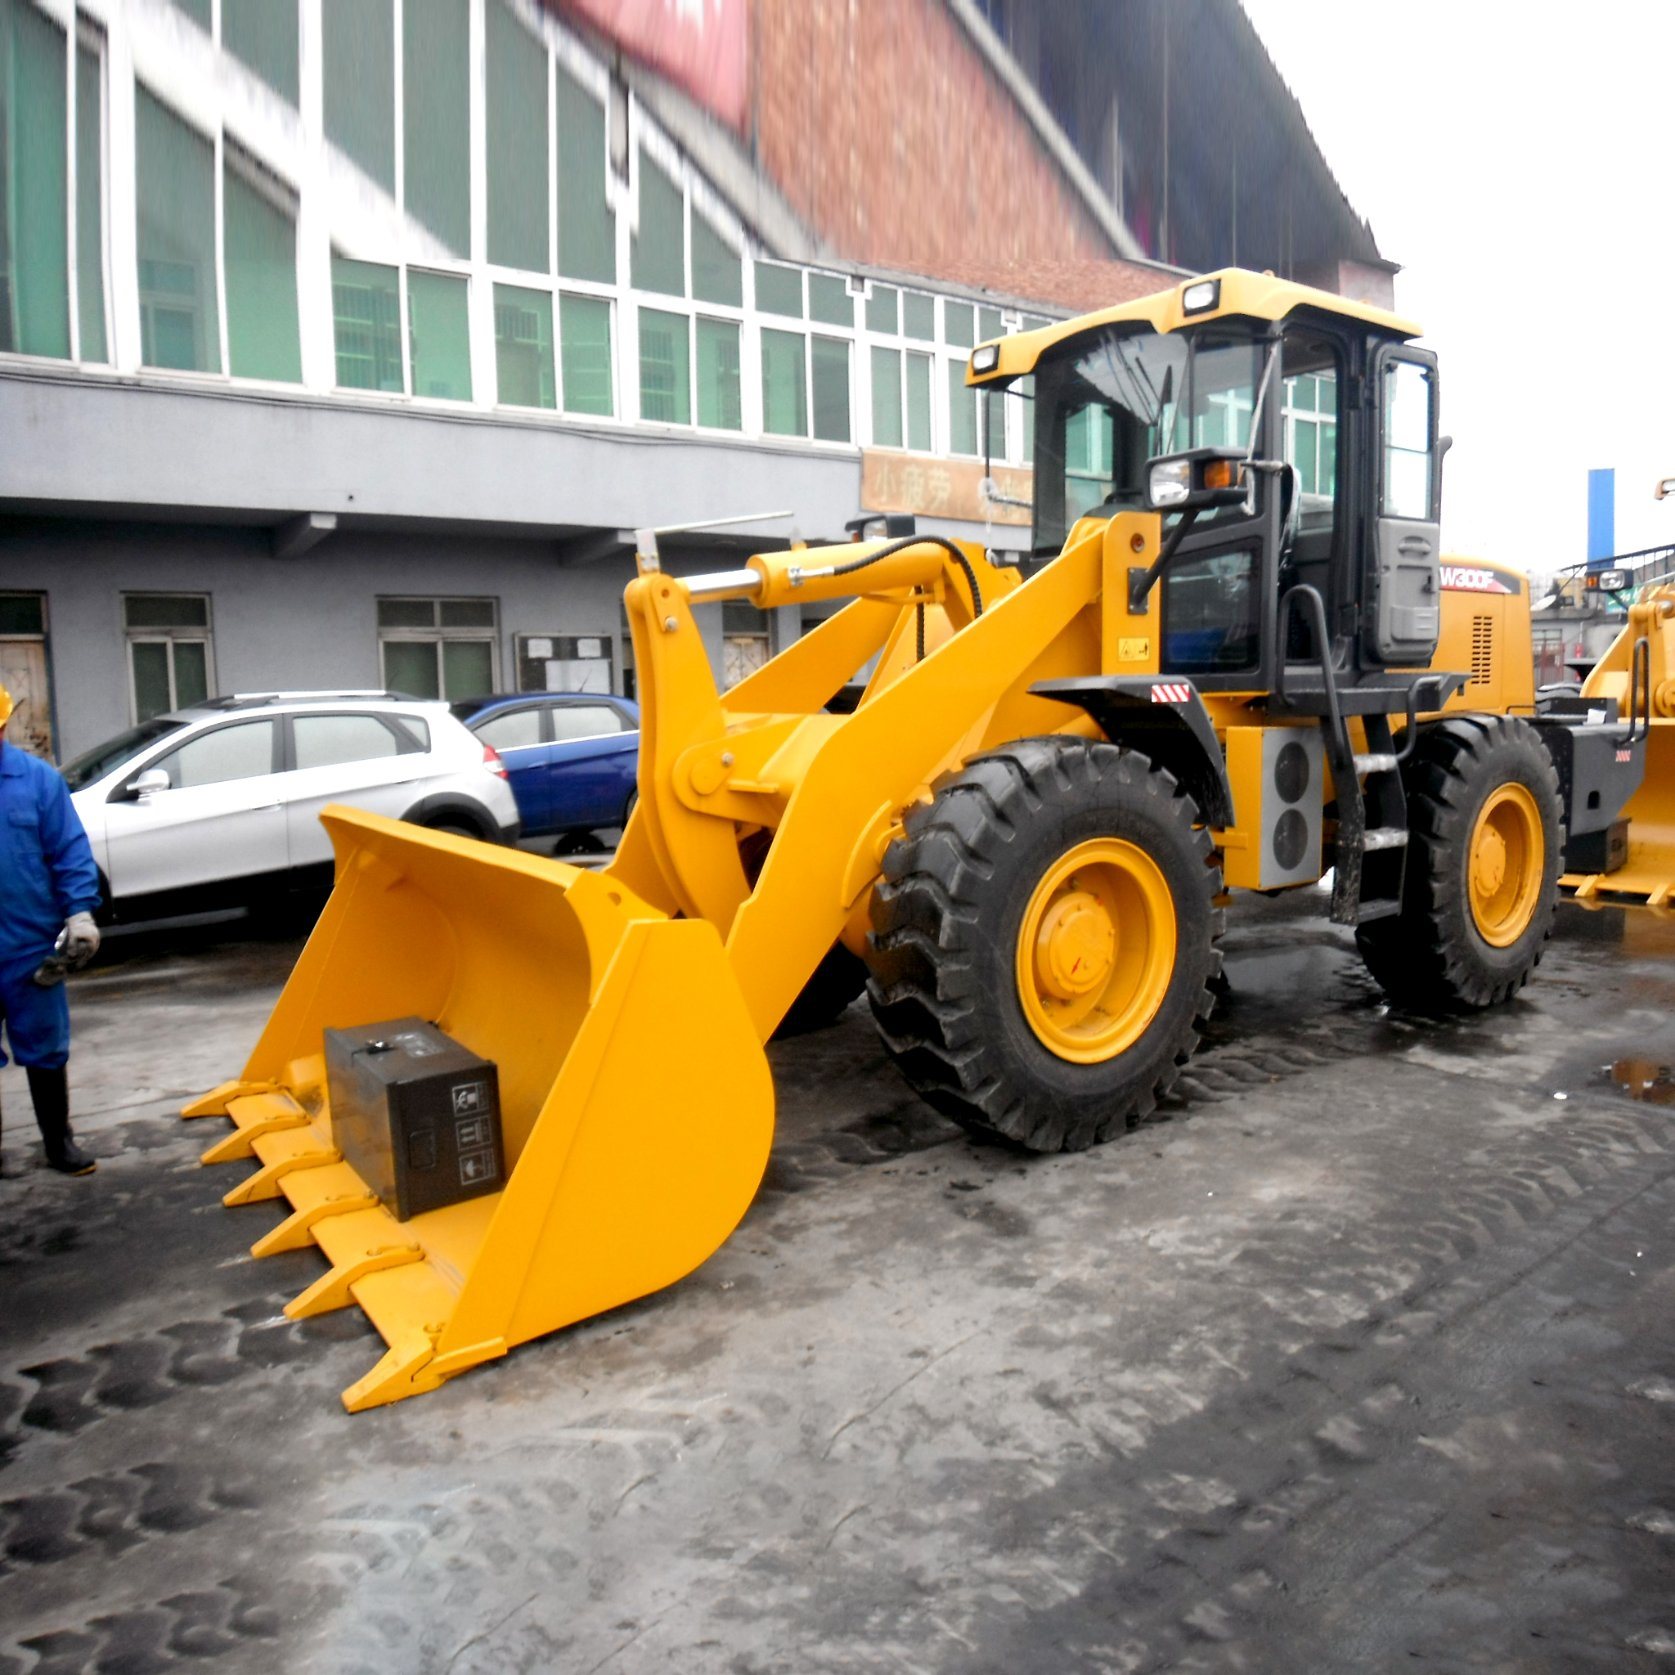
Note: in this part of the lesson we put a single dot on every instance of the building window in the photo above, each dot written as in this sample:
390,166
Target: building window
784,383
665,351
829,300
917,373
438,648
175,179
259,231
359,59
918,316
657,255
34,184
586,223
720,402
1311,431
779,290
24,671
886,398
263,33
169,663
438,336
90,199
198,10
523,347
717,271
829,384
585,333
436,118
962,411
366,310
515,101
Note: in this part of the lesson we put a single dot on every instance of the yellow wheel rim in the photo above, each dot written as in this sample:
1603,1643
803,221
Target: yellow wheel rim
1096,950
1506,862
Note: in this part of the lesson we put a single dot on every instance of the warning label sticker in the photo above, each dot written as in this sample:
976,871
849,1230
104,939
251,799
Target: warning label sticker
470,1097
475,1167
471,1132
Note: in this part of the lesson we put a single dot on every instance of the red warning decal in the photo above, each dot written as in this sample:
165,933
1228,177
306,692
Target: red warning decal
1172,692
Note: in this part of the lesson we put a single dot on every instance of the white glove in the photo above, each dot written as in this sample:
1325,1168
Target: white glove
81,939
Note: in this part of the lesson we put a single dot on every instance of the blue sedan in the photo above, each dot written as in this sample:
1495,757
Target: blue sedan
571,757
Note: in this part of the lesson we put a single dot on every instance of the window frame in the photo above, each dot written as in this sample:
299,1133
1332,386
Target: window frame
168,636
437,635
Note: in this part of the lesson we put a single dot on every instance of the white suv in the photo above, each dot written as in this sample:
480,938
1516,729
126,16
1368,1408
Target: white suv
219,804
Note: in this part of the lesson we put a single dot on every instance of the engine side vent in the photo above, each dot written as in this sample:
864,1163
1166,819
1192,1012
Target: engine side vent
1482,650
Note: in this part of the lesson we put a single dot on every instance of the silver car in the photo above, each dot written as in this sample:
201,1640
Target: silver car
219,805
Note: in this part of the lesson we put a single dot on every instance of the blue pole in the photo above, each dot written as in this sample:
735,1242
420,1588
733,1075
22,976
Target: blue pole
1602,517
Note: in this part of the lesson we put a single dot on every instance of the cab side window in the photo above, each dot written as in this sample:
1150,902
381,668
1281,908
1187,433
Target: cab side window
238,752
1408,427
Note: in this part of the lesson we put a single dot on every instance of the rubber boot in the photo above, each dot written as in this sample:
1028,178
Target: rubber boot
50,1090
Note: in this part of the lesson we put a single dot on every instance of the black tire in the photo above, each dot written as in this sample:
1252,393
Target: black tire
949,911
838,979
1432,956
455,828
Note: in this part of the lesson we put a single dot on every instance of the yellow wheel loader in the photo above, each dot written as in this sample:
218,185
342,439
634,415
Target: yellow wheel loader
1020,837
1636,676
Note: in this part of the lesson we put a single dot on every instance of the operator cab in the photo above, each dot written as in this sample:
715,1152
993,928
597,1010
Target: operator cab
1318,423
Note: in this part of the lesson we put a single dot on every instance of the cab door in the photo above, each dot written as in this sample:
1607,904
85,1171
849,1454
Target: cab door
219,818
1402,599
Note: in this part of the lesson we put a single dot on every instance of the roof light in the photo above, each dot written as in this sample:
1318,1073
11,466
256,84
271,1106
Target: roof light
985,358
1200,296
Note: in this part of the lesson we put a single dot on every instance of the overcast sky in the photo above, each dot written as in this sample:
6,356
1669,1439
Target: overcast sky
1518,160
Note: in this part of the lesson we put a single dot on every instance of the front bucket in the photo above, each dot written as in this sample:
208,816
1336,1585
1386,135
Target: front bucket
636,1101
1648,875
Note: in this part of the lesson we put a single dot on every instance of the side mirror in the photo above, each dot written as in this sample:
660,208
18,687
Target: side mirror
153,779
1197,480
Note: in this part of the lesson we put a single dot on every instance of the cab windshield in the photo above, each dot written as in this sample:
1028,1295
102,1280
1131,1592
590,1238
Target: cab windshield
1107,402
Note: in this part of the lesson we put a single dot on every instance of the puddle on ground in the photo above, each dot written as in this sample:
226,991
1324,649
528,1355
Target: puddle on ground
1644,1079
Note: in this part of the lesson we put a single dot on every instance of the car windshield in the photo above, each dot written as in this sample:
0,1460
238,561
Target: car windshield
94,764
1108,401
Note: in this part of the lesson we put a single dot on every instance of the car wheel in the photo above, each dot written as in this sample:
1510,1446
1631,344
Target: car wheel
454,828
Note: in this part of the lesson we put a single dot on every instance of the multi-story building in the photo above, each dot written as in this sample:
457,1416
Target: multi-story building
347,342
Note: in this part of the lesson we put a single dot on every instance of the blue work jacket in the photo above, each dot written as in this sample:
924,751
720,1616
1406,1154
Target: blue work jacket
46,863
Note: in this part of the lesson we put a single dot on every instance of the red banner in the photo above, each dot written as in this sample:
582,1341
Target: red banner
698,44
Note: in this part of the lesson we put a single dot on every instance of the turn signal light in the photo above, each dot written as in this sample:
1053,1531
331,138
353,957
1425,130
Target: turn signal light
1218,474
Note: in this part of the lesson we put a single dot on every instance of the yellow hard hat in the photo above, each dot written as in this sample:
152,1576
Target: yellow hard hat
5,706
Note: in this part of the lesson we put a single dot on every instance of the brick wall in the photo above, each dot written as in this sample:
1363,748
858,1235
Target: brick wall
885,130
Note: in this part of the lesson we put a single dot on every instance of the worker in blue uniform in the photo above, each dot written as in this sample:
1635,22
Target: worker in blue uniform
49,888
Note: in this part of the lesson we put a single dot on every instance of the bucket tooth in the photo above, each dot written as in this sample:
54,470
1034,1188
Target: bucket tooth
407,1368
241,1143
296,1231
265,1183
331,1289
214,1103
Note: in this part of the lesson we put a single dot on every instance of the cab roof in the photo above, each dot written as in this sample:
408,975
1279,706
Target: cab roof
1237,292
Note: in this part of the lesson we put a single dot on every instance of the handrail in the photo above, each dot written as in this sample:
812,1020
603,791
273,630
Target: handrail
1640,692
1310,597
